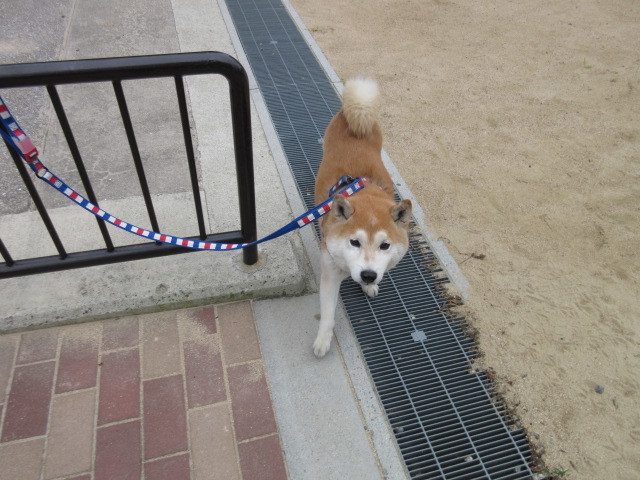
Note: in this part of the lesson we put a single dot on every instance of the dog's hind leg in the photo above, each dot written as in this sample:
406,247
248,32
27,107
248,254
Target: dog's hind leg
330,281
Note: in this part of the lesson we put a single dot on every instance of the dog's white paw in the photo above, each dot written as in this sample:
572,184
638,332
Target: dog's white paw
371,290
322,344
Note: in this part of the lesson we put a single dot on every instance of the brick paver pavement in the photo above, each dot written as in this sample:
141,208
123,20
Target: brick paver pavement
172,395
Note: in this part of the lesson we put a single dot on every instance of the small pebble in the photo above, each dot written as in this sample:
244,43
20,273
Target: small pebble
599,389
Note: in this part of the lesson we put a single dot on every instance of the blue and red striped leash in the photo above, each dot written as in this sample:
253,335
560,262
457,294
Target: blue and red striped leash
16,137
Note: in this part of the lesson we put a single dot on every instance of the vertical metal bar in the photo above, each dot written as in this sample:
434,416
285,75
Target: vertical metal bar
188,142
38,202
77,158
5,254
241,123
133,145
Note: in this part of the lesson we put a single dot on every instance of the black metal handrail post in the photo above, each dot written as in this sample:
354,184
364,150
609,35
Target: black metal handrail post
191,156
241,117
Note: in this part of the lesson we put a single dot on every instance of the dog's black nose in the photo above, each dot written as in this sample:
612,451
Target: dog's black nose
368,276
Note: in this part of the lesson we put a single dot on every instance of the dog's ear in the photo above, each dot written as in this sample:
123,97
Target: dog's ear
401,213
341,208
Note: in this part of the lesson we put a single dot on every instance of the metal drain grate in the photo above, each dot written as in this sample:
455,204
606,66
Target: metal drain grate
443,418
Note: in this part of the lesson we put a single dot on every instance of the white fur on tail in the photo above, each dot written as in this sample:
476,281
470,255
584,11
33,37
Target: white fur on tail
360,105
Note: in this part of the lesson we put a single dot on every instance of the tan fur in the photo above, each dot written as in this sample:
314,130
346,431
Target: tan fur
372,213
360,100
346,154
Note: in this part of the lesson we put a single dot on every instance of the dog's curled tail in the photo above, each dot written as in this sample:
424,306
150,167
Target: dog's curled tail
360,105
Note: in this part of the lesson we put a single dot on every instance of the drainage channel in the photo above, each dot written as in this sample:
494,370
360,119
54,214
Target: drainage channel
443,417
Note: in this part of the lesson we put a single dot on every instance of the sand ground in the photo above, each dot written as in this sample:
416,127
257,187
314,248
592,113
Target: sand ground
517,126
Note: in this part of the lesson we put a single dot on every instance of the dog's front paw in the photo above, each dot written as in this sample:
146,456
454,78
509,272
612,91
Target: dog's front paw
371,290
322,344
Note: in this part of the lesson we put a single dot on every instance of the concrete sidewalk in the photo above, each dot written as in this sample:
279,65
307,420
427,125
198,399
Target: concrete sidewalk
328,421
90,29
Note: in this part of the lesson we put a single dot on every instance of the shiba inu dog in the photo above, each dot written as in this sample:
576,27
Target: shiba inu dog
365,235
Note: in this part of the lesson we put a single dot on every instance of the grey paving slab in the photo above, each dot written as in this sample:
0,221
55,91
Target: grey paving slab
95,29
120,28
32,31
322,431
98,129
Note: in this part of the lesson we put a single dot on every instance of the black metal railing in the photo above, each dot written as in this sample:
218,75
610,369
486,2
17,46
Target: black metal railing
115,70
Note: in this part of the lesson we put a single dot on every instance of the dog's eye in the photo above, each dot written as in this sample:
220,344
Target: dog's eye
354,243
385,246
